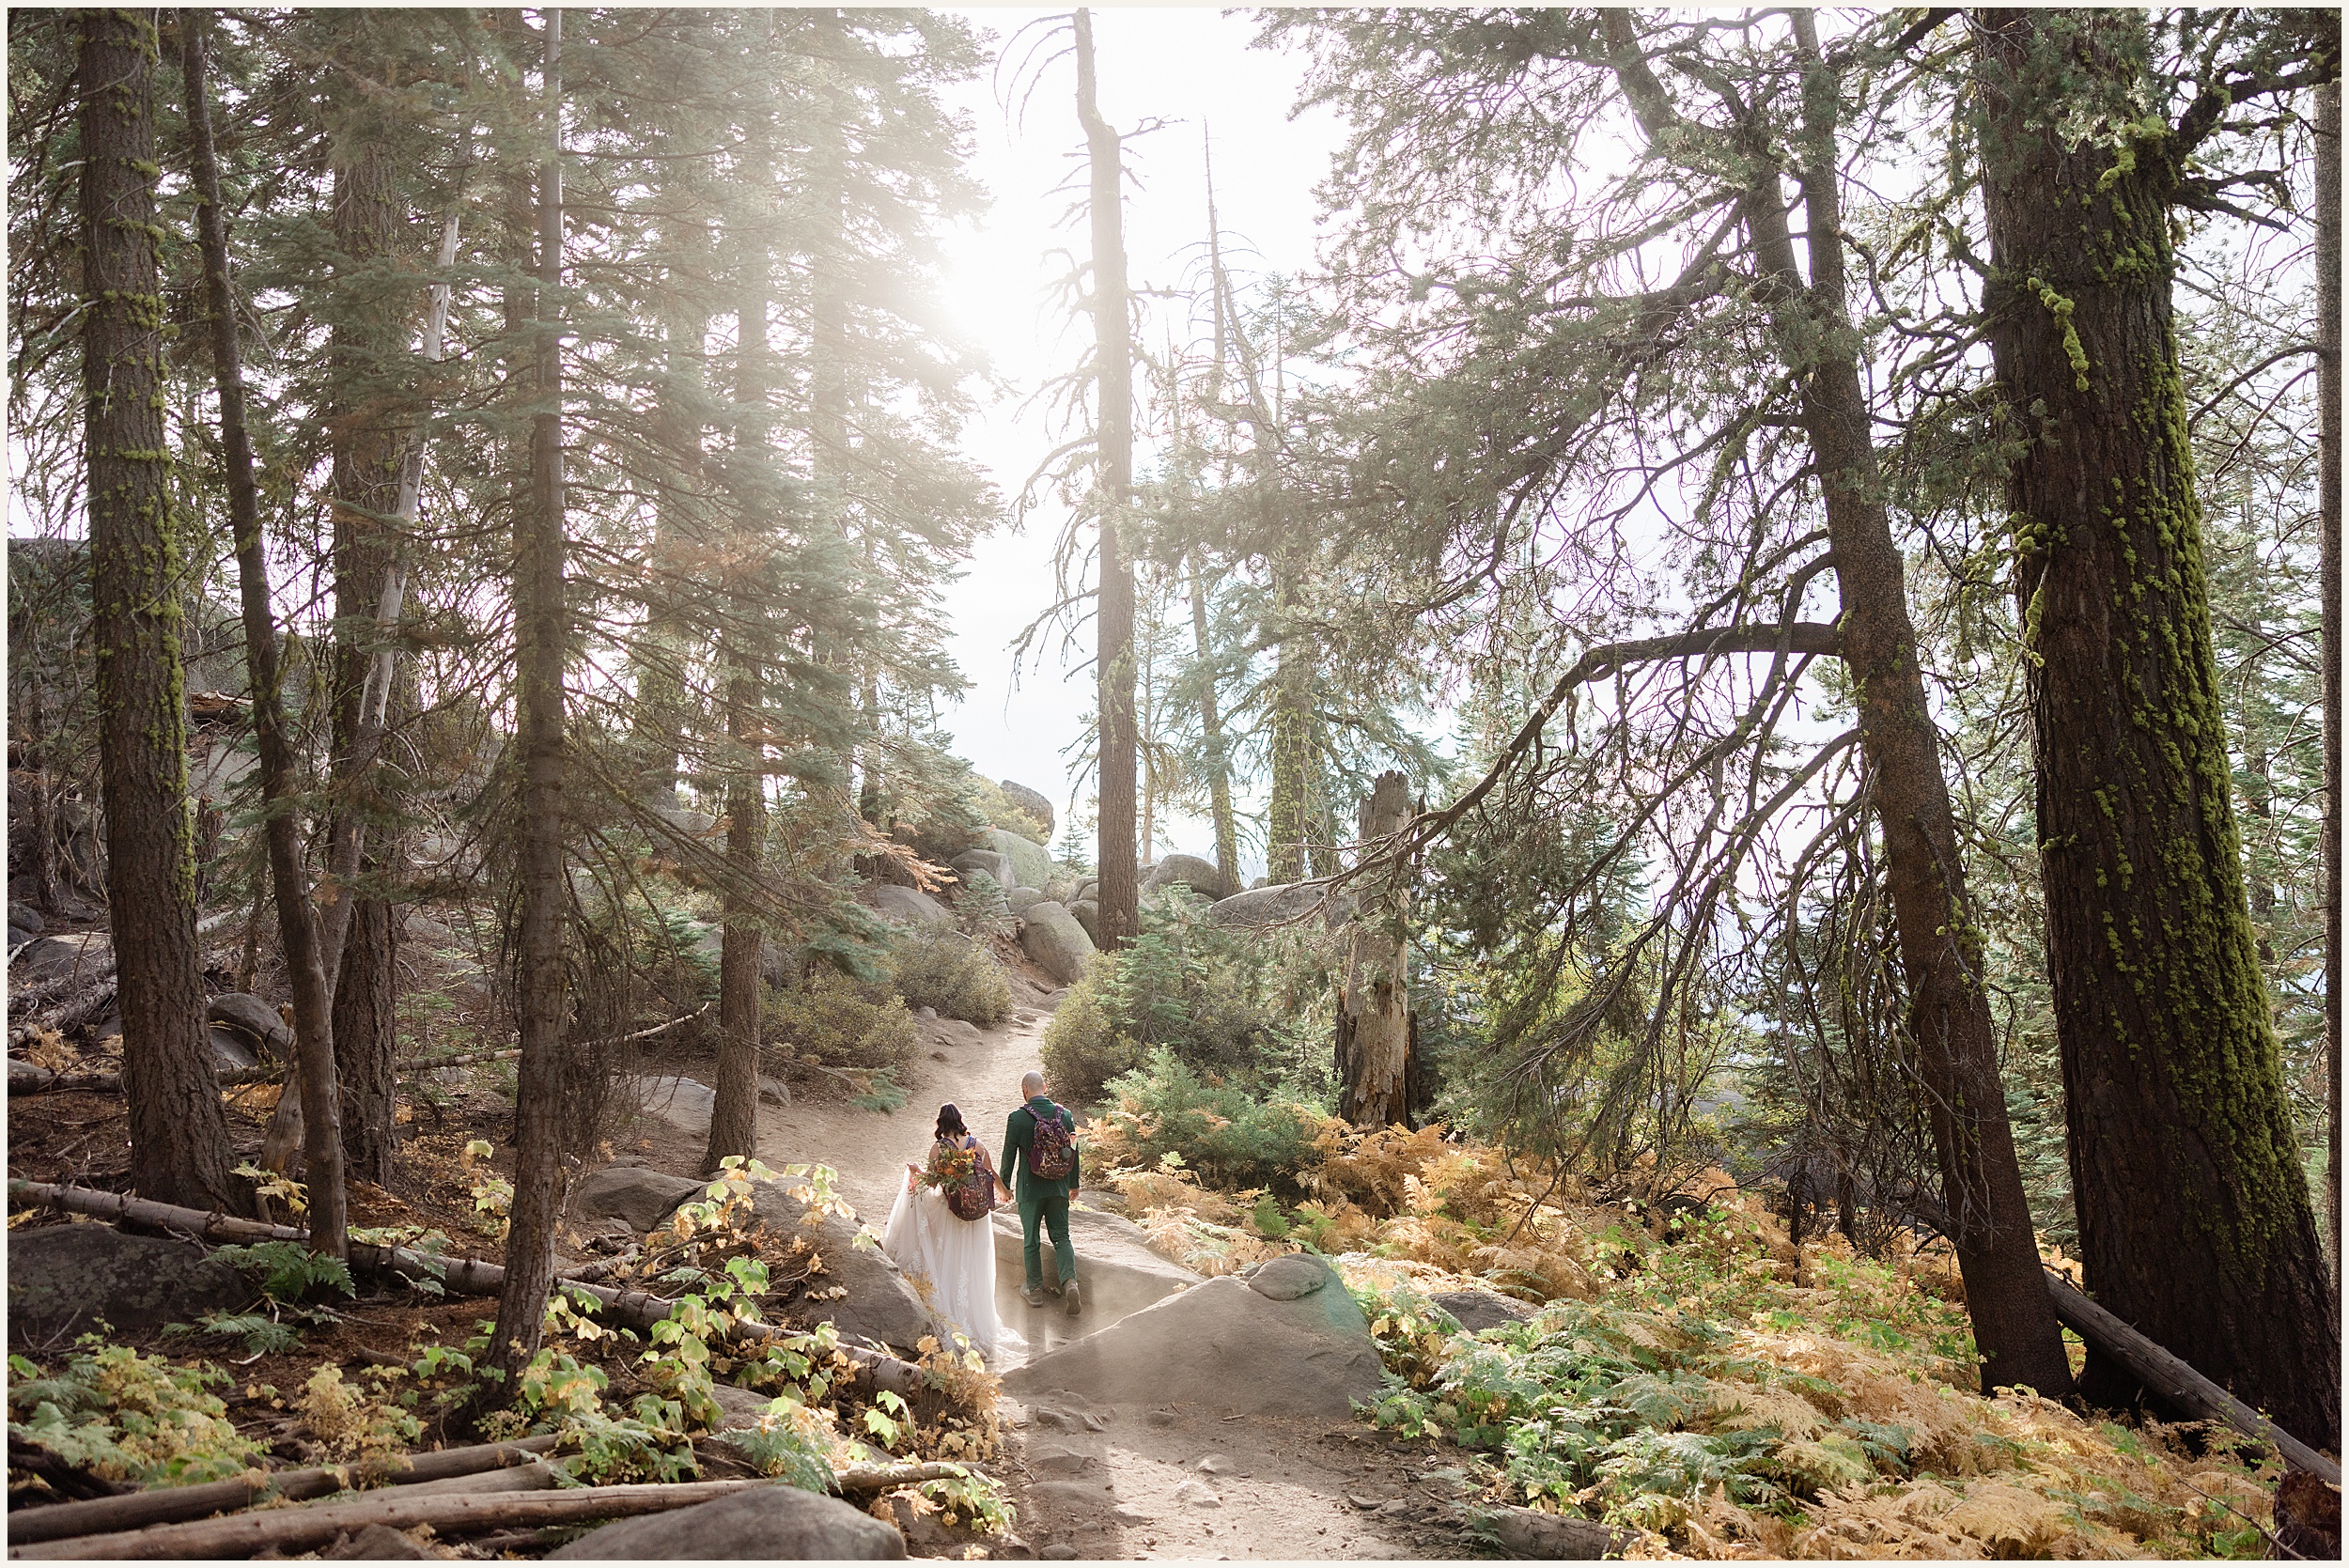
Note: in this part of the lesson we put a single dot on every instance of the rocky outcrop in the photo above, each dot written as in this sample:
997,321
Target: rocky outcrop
1121,1274
247,1015
1299,1347
904,906
1020,900
1060,947
66,1280
1478,1310
1031,862
776,1523
1088,914
1029,800
984,862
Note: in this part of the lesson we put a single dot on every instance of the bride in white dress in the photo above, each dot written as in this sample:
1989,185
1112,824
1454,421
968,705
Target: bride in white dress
924,1236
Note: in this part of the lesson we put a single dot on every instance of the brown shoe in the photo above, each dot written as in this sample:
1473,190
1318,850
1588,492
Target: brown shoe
1072,1297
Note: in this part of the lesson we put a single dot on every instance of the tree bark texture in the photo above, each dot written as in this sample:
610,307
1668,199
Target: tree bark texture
2329,515
179,1137
297,925
734,1116
1119,921
366,453
658,657
541,988
1956,1048
2174,1082
366,1000
1292,748
1377,1068
1211,731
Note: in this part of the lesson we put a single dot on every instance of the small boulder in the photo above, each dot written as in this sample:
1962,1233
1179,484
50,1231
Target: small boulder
881,1306
1088,914
1478,1310
1286,1278
1528,1532
262,1026
1200,875
1020,900
64,1280
984,862
904,906
1060,945
25,917
375,1544
1031,801
765,1523
642,1198
73,955
230,1049
1221,1345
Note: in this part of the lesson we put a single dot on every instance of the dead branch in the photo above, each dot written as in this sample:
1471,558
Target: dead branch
164,1505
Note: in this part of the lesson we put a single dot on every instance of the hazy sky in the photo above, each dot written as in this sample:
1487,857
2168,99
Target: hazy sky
1193,69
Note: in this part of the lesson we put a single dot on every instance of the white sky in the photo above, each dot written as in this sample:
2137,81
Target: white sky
1192,68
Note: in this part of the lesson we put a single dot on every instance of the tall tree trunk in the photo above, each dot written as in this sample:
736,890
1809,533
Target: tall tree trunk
1376,1065
1292,744
178,1135
1956,1048
366,1005
2194,1213
296,926
540,986
733,1118
366,486
1119,892
2328,513
658,713
1211,730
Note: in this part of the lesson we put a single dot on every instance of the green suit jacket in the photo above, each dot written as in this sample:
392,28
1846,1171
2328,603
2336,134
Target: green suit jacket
1018,1137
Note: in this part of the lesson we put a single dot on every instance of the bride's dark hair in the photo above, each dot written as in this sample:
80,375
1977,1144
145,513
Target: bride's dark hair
950,1122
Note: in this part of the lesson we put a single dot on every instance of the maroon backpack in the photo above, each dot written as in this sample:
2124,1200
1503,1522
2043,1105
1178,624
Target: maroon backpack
1053,1155
973,1196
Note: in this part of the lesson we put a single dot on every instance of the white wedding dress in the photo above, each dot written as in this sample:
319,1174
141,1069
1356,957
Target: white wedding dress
957,1256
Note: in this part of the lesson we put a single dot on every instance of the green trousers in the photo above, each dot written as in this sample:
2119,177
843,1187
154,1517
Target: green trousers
1046,1210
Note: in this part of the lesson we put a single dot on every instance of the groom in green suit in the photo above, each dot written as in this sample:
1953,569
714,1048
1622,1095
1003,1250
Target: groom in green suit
1043,1200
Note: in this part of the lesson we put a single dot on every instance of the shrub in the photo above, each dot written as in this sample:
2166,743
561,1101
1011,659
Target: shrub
1084,1045
128,1418
842,1021
1232,1138
953,974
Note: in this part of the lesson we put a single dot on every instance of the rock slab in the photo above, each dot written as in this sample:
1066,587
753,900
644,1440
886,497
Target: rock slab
1224,1345
768,1523
881,1306
630,1192
1477,1310
64,1280
1029,800
904,906
1121,1273
1199,875
1278,904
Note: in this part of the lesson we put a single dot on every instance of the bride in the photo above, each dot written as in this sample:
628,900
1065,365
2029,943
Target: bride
927,1233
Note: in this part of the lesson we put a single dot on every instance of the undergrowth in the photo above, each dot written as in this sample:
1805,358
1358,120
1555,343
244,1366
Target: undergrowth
1684,1374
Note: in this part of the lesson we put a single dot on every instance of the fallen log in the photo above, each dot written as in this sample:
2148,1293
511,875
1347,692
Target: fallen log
164,1505
25,1078
636,1308
2192,1394
297,1530
883,1478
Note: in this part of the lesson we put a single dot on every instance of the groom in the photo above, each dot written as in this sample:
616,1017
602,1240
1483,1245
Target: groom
1043,1200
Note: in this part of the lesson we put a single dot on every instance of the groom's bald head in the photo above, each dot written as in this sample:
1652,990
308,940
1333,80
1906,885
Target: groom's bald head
1031,1084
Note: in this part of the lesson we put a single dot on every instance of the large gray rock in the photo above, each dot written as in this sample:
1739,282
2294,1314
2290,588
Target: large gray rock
767,1523
984,862
686,1104
260,1024
642,1198
64,1280
1088,914
1062,948
25,917
1031,801
1031,862
1200,875
904,906
881,1306
1278,904
1121,1274
1020,900
85,953
1222,1345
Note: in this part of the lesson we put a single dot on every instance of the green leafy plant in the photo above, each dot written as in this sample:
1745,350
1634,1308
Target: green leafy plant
839,1020
129,1416
953,974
